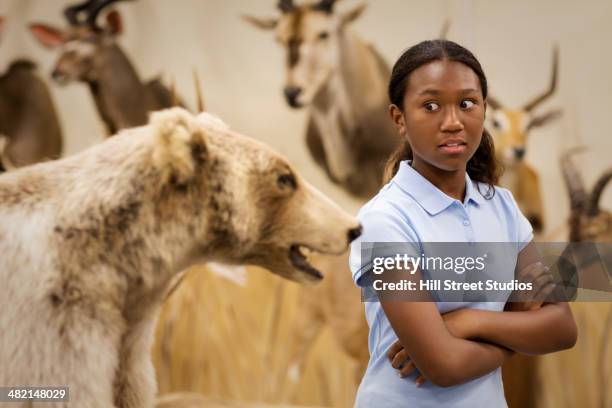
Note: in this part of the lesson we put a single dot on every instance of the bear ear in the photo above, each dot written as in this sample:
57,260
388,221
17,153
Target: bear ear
179,144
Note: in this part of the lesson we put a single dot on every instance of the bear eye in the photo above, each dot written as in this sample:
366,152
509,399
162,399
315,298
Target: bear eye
286,181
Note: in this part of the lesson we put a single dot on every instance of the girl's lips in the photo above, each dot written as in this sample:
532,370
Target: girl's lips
460,148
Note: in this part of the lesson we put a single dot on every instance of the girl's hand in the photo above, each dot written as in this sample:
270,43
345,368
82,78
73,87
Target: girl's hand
543,284
458,324
400,360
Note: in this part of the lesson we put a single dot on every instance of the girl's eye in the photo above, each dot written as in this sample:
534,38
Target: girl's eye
431,106
467,104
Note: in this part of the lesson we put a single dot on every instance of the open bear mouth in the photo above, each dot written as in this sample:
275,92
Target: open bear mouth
300,261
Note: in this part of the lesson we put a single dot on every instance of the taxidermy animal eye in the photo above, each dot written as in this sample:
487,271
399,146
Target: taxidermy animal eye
286,181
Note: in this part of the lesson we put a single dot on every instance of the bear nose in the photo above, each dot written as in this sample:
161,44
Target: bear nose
519,152
354,233
291,94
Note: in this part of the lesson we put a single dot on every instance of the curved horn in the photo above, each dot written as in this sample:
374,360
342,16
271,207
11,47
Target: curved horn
573,180
199,98
324,5
72,12
577,194
95,11
286,6
553,83
600,185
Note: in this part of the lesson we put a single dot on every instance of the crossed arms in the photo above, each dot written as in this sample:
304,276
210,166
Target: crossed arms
465,344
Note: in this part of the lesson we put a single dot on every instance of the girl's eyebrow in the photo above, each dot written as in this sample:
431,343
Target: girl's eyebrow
430,91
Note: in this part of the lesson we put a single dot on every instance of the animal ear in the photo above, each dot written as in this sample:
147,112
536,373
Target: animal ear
48,36
261,23
352,15
113,19
179,144
541,120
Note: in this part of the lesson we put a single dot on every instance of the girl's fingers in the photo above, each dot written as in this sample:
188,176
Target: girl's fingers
543,278
407,369
399,359
394,349
419,380
545,291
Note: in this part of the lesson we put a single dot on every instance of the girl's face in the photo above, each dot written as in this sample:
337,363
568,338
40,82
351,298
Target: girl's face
443,115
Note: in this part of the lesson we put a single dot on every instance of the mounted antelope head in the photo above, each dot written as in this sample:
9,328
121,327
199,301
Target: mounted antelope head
588,221
510,127
89,53
343,82
80,44
311,35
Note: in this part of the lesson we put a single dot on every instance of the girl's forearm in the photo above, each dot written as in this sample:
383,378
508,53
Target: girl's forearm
472,360
545,330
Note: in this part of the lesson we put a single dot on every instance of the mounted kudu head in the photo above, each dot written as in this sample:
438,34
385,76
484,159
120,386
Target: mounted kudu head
82,41
510,127
310,34
588,221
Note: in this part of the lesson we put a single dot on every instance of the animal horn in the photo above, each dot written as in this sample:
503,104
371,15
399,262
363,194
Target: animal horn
325,5
72,12
553,83
600,185
173,92
286,6
5,162
95,10
445,29
200,99
577,194
573,180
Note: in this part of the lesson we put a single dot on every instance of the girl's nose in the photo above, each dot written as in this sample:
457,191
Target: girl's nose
451,122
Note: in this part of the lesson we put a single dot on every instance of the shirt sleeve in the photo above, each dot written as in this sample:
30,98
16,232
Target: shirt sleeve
380,227
523,226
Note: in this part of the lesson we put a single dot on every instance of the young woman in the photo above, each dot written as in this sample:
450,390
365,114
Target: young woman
440,188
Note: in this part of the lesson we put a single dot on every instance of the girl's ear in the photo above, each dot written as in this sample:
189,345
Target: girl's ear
397,116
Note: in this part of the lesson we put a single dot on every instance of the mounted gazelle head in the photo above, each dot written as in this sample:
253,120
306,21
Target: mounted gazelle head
310,34
82,42
588,222
510,127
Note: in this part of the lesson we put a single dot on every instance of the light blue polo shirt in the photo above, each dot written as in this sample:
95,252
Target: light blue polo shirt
411,209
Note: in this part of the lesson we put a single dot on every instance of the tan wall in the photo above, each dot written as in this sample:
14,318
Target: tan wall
242,68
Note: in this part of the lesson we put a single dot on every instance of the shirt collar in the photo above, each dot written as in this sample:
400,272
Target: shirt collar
430,197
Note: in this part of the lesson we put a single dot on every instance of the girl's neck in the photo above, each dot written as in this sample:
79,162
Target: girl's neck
451,183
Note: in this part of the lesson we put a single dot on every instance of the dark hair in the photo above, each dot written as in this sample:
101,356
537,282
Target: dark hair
483,166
